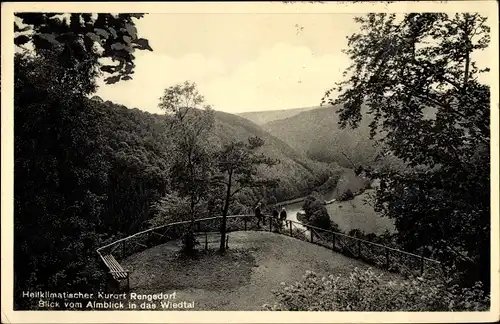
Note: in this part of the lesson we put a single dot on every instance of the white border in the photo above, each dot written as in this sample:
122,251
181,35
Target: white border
9,316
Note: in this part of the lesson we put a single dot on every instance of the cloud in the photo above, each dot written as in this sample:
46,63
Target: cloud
281,77
154,73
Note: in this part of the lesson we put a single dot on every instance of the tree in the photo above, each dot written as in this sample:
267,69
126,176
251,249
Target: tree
315,212
83,39
237,164
60,161
189,123
272,201
417,75
346,195
58,187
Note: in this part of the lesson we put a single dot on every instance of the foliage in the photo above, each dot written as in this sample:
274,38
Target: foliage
189,243
59,180
237,164
298,234
271,200
346,195
315,213
332,181
366,291
138,152
188,124
63,181
419,80
170,208
83,39
386,238
298,174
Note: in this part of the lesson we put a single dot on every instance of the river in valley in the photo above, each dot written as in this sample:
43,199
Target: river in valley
352,214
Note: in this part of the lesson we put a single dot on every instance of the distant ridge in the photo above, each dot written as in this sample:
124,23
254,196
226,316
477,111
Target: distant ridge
264,117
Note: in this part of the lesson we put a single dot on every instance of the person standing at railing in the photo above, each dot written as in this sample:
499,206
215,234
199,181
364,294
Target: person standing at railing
275,218
258,214
282,216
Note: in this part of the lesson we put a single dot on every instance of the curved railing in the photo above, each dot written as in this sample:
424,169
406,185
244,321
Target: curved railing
162,234
373,253
382,256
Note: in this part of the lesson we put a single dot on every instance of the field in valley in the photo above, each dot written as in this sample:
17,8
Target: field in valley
357,214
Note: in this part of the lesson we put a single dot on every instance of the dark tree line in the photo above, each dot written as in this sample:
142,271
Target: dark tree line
402,67
62,162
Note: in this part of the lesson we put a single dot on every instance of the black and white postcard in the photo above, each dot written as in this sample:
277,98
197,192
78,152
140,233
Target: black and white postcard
285,161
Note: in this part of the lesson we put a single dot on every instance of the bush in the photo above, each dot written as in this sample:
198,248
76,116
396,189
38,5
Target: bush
321,219
334,227
386,238
301,217
346,195
189,243
332,181
316,213
356,233
367,291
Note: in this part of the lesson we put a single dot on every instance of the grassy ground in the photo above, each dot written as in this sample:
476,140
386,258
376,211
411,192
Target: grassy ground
242,279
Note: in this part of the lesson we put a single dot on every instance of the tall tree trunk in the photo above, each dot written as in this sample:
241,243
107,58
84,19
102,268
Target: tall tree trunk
222,247
192,210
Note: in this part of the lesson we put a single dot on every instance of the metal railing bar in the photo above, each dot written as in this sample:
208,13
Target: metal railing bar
295,225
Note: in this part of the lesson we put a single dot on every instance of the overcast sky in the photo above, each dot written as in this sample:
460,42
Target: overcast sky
241,62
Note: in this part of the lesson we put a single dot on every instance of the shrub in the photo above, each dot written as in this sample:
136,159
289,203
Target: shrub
321,219
356,233
189,243
335,227
367,291
311,204
386,238
301,217
346,195
316,214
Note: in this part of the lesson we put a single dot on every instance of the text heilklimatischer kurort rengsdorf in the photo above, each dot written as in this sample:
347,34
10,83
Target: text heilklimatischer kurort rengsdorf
108,301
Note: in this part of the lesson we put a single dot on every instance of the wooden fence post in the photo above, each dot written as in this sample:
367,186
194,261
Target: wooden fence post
270,224
291,233
227,241
387,258
245,222
312,234
206,241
